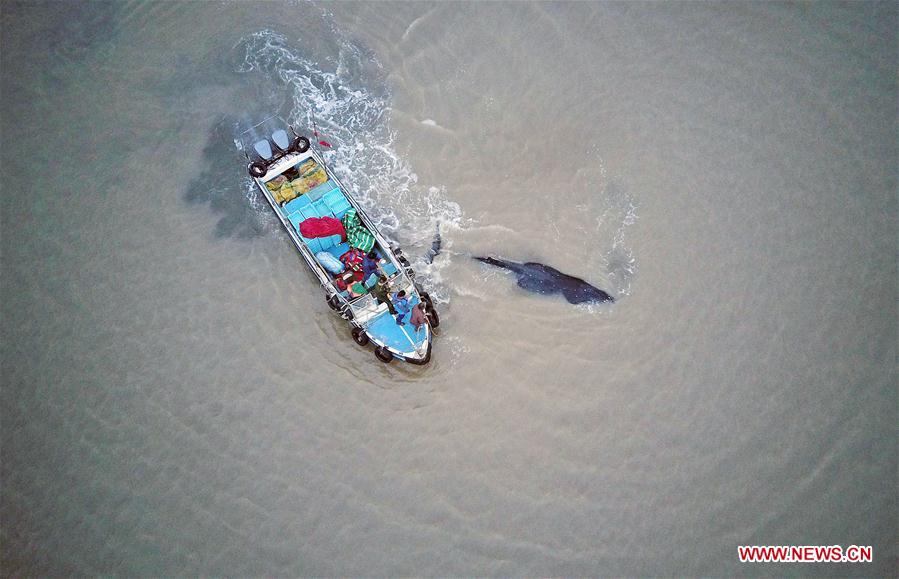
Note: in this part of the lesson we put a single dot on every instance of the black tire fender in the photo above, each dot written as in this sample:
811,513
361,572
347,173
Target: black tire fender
360,337
257,169
383,355
300,144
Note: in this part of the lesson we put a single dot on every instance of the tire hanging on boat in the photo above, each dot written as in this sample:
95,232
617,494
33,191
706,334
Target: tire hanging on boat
359,336
257,169
334,303
407,267
383,355
300,144
430,310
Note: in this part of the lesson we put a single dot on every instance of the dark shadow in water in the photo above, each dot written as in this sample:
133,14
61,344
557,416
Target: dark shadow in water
81,27
62,31
225,186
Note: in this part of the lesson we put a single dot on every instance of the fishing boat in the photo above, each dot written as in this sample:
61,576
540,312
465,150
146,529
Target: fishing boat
332,233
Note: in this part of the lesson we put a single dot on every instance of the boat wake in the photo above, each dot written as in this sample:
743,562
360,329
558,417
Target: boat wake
344,94
349,103
618,215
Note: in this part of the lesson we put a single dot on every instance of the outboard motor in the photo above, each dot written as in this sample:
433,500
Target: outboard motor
280,141
262,150
259,167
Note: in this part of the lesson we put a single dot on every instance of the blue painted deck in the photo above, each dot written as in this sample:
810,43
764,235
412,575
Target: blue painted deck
385,330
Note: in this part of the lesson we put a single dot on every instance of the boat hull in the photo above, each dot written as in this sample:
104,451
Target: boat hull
403,342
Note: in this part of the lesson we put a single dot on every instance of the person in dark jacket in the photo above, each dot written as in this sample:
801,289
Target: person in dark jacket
418,318
382,292
370,264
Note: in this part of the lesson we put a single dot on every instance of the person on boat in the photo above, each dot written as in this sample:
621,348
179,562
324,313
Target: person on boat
370,264
357,289
353,258
382,292
401,303
342,282
418,318
347,282
349,276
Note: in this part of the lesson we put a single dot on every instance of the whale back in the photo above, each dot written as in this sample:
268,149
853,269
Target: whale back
543,279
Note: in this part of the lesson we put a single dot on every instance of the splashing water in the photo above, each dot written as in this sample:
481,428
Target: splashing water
350,106
620,263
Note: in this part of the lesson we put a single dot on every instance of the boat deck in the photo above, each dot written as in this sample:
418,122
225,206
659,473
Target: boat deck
385,330
307,190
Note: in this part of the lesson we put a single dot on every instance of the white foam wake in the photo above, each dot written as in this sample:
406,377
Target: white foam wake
350,106
349,102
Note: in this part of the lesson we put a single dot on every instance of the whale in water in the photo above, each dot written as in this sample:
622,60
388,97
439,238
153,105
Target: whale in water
435,246
543,279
